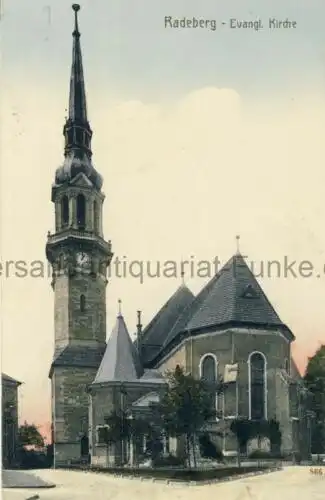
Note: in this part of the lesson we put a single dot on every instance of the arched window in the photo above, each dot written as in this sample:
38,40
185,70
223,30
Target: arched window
65,210
257,386
287,366
208,373
81,211
82,303
208,368
96,217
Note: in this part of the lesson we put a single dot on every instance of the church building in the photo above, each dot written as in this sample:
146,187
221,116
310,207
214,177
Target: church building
229,330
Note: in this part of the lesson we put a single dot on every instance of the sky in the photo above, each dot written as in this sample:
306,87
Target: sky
200,136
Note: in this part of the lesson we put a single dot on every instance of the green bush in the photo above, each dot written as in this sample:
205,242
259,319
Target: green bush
31,459
260,454
208,449
183,474
168,461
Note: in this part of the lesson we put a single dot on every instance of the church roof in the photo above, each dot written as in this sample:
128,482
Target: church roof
6,378
295,372
120,362
153,376
232,296
154,335
78,356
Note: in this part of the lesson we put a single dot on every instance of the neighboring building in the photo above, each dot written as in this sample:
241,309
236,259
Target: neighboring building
228,330
9,420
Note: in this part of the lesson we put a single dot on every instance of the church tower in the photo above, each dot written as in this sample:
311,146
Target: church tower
79,256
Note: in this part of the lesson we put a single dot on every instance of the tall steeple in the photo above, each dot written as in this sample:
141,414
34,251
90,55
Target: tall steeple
79,256
77,132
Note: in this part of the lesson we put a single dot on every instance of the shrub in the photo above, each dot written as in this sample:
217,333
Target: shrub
31,459
260,454
168,461
208,449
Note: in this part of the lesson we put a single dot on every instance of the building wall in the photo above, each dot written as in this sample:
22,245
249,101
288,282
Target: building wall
103,400
9,423
234,346
70,403
71,324
177,357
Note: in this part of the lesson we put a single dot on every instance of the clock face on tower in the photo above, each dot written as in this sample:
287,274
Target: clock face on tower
83,259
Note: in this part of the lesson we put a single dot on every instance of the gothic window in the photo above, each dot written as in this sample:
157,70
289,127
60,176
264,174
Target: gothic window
286,366
82,303
65,210
81,211
96,217
208,373
208,368
257,390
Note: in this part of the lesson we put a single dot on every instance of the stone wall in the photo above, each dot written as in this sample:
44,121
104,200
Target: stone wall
73,324
70,402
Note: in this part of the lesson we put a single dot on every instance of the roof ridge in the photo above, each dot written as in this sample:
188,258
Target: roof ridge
163,308
206,289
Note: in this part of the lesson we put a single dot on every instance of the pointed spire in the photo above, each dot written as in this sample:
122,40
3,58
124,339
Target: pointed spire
120,362
77,98
119,308
183,277
77,131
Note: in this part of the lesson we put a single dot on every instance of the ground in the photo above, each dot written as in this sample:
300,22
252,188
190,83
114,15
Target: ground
292,483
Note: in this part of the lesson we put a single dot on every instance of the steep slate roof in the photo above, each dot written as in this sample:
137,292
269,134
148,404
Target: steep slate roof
83,357
154,335
120,362
5,378
153,376
232,296
295,373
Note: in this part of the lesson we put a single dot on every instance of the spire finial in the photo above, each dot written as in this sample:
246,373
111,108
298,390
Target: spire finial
237,244
76,8
183,277
119,307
